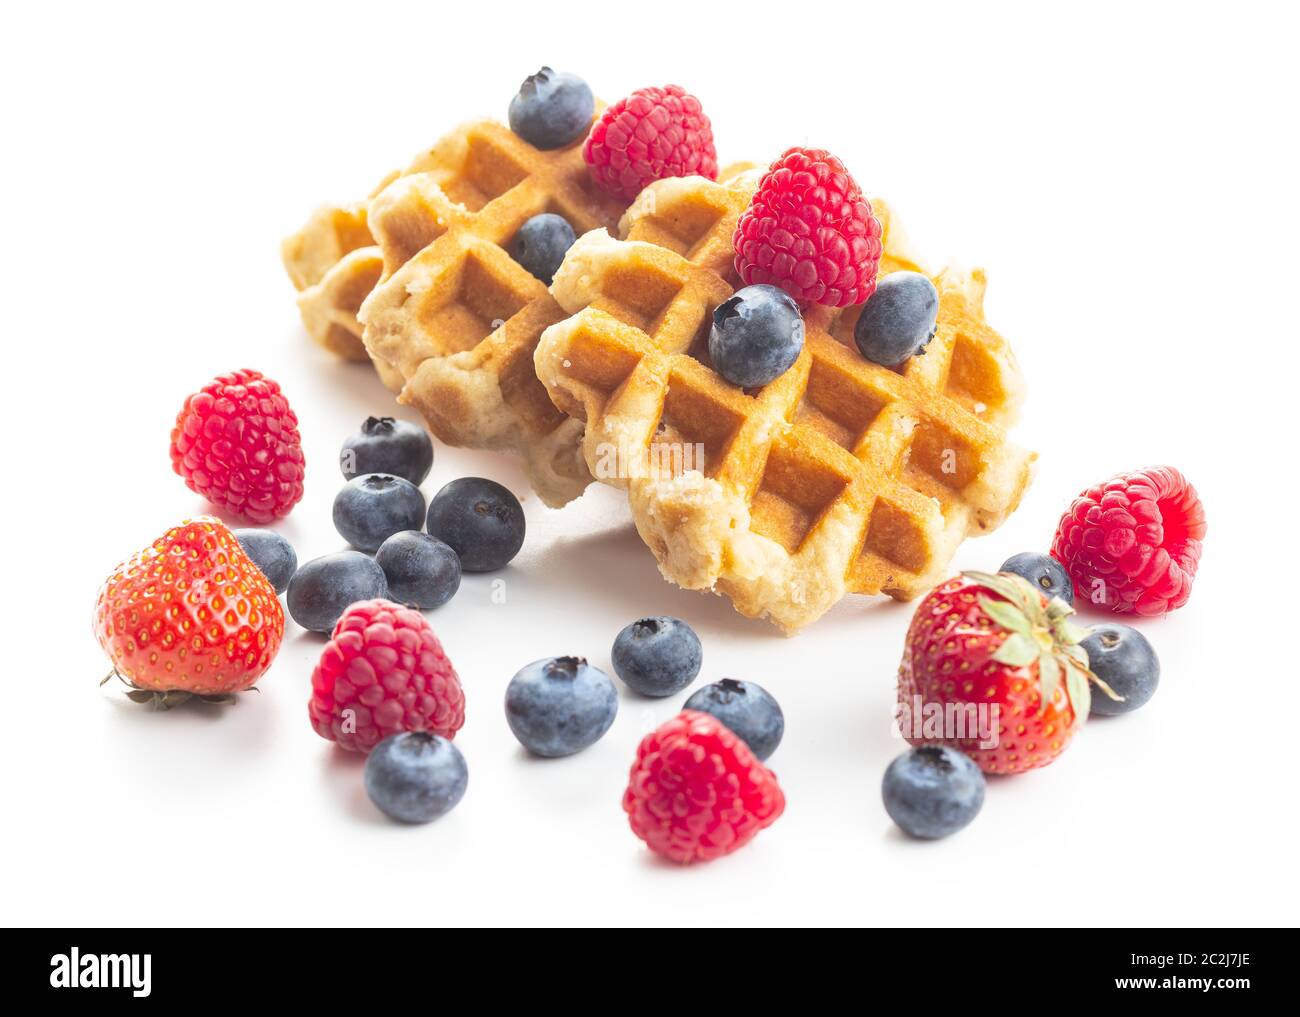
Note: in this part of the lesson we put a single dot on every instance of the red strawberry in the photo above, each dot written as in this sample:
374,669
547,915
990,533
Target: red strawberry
190,615
993,669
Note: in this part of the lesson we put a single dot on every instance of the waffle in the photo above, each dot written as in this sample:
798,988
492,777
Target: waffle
454,319
839,476
334,263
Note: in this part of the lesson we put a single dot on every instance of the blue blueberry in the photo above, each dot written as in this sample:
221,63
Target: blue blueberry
415,776
373,507
747,709
757,334
480,520
271,553
552,109
560,705
898,321
420,569
1044,572
541,243
388,445
657,656
933,791
324,588
1122,657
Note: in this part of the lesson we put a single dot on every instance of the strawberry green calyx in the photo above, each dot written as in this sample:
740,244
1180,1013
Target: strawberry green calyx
160,700
1043,632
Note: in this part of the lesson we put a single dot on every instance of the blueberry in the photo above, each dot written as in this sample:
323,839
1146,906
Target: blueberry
480,520
324,588
1044,572
1122,657
420,569
541,243
387,445
373,507
933,791
757,334
415,776
657,656
560,705
271,553
897,321
747,709
552,110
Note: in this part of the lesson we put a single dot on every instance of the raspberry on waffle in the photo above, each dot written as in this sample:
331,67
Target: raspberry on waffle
652,134
839,476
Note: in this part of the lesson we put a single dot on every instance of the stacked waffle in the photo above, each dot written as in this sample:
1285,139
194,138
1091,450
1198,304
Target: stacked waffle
839,476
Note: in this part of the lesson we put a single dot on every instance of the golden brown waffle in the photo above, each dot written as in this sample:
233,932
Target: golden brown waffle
335,260
839,476
456,318
334,263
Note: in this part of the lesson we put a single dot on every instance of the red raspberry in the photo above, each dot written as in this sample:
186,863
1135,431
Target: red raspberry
1133,543
383,671
696,792
652,134
810,231
236,443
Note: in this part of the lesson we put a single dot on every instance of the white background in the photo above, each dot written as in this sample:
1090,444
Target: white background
1126,174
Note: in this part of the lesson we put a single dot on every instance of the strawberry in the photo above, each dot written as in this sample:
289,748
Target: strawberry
993,668
190,615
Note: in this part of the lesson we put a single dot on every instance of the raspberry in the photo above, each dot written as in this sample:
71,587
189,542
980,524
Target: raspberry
810,231
383,671
236,443
652,134
696,791
1134,542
